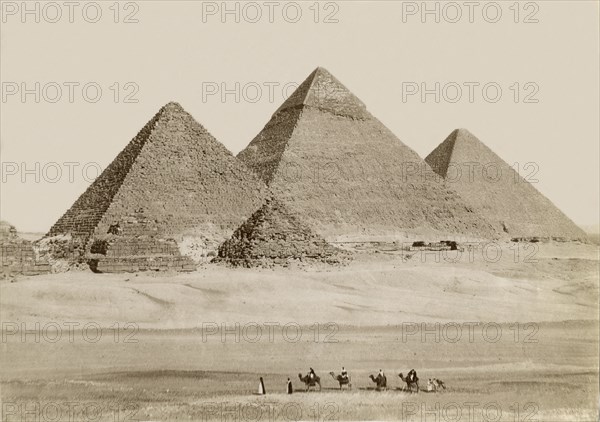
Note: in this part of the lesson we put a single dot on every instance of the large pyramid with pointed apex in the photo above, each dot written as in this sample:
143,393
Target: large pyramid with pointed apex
274,235
174,180
496,190
328,159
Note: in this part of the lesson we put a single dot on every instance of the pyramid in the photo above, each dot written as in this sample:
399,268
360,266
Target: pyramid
174,180
327,158
274,235
497,191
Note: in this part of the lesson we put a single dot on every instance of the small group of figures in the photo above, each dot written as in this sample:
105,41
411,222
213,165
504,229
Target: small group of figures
412,381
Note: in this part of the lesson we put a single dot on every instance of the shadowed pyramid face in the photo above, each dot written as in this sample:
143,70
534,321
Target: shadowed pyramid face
331,161
495,189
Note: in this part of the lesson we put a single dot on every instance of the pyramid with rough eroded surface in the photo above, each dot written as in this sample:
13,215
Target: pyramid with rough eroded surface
274,235
496,190
328,159
173,181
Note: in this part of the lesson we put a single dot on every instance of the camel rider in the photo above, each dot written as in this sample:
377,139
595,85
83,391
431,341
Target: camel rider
344,373
311,374
412,375
381,374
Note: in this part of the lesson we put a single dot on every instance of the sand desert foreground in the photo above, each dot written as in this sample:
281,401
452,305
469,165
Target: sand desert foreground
557,282
533,356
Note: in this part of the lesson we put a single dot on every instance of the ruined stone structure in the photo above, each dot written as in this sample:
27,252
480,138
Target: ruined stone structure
494,189
18,256
328,159
135,244
274,235
173,181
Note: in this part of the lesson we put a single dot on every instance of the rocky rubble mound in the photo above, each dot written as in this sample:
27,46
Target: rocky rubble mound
63,253
115,254
135,244
275,236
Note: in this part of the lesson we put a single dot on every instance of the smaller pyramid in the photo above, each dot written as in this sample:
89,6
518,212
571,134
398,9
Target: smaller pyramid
274,235
497,192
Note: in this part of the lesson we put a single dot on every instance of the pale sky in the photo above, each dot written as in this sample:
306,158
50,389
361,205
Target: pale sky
170,54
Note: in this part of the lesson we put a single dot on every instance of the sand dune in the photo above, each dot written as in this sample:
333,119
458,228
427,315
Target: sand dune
384,292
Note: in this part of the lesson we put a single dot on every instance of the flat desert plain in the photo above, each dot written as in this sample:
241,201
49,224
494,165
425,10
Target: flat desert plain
514,338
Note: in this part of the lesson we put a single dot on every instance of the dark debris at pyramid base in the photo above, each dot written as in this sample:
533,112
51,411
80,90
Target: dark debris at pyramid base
273,236
282,260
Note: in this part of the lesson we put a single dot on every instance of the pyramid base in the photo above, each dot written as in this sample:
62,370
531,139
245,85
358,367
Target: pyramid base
32,269
548,239
285,262
118,254
141,263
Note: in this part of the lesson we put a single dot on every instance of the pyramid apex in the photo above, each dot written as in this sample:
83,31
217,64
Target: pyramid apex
321,69
172,106
322,90
462,136
462,132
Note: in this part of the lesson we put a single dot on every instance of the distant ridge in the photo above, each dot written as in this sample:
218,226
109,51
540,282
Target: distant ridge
497,191
328,159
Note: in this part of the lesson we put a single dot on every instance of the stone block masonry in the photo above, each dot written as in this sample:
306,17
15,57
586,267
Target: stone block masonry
18,256
275,236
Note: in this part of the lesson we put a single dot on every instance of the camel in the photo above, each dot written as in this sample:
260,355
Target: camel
310,382
381,381
434,384
410,380
342,380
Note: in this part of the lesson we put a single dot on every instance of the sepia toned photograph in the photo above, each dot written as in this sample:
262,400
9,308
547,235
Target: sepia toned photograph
299,211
